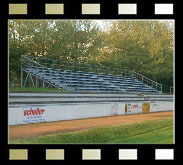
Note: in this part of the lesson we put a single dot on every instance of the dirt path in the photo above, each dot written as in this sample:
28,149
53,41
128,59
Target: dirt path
39,129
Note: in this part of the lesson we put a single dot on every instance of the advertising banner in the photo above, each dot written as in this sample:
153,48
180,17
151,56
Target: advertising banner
114,109
154,107
145,107
33,114
161,106
133,108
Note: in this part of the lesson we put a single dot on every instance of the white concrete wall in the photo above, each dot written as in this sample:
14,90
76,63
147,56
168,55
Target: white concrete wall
15,116
67,112
79,111
161,106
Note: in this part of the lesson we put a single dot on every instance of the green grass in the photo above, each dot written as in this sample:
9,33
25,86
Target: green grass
17,89
164,135
151,132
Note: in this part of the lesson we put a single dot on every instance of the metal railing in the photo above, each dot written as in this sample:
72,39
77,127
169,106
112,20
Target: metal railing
93,69
171,90
27,62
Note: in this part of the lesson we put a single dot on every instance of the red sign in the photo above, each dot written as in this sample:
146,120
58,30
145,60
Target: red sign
34,115
34,112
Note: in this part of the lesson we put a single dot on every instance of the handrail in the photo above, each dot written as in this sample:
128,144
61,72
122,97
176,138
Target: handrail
99,68
41,66
34,62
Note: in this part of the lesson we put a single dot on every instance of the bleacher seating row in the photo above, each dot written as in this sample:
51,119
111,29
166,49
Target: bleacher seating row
89,81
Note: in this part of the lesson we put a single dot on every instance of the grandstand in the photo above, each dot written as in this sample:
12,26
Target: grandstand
44,72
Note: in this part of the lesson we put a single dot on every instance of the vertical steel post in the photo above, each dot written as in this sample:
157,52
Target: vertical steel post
29,81
21,73
171,90
36,83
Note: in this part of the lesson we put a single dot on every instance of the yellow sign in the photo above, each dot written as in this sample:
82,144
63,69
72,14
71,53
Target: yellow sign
145,107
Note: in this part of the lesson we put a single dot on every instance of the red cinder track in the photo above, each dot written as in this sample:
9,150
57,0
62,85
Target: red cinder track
40,129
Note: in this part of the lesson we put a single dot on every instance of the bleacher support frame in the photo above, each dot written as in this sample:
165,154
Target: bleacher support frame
30,78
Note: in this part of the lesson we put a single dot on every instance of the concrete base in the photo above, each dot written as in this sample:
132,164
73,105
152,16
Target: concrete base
46,113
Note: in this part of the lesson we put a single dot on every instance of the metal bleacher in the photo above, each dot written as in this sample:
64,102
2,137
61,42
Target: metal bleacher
42,72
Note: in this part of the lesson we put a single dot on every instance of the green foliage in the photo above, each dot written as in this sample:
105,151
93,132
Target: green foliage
15,52
152,132
17,89
143,46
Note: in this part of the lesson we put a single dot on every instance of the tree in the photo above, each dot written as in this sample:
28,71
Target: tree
143,46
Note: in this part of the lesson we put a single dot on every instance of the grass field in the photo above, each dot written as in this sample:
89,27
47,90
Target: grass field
17,89
151,132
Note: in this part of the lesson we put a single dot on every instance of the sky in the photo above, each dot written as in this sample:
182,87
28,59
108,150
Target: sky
101,23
